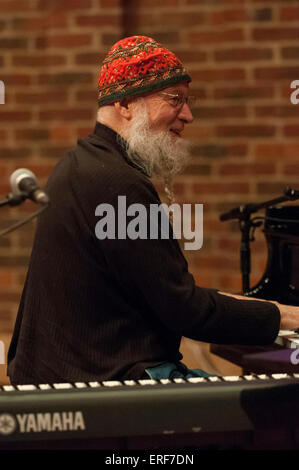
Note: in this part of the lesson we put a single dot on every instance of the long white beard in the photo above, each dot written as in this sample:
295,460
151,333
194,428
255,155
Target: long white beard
158,153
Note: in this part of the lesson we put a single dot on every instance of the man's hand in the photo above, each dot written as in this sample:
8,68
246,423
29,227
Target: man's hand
289,314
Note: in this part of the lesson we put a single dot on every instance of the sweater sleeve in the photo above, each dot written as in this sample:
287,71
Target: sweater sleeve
155,273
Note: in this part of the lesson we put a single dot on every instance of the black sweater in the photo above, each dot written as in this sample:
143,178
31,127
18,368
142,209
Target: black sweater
105,309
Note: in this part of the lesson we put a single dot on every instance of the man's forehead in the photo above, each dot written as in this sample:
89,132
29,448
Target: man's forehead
177,88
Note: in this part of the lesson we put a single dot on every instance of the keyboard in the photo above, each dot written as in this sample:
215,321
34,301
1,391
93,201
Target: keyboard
115,409
288,339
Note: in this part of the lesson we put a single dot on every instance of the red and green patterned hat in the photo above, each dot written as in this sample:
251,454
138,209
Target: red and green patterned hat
138,65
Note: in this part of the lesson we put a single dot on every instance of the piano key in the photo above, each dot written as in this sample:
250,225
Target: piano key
232,378
94,384
112,383
44,386
9,388
62,386
147,382
26,388
285,332
179,381
80,385
165,381
262,376
130,383
249,377
280,376
196,380
214,379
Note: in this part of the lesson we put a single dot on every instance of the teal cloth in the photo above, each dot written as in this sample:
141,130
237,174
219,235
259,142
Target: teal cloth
174,370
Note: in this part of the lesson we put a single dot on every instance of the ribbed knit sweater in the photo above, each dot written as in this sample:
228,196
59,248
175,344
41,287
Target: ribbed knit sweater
96,309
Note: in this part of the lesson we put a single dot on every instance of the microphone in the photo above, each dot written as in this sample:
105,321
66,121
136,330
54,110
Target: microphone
23,181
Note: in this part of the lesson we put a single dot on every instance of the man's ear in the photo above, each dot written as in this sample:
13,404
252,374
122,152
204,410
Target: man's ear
123,108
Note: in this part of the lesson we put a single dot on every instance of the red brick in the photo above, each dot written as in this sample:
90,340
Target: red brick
271,189
229,16
10,6
7,278
13,43
289,13
90,96
40,23
220,112
14,153
43,98
253,130
275,34
277,150
60,133
277,111
292,169
220,188
247,169
291,52
277,73
66,114
63,4
90,58
64,41
216,262
219,75
15,116
179,19
16,80
207,37
65,78
31,134
291,130
244,92
243,54
99,20
38,61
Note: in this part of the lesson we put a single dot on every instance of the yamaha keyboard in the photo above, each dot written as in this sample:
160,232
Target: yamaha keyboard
122,412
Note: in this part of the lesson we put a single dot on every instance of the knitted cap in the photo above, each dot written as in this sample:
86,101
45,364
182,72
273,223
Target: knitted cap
137,65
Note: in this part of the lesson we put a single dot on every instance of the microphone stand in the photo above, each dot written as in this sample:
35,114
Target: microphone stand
243,214
15,200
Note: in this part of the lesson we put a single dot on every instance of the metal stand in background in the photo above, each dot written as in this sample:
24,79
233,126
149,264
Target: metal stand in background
15,200
243,214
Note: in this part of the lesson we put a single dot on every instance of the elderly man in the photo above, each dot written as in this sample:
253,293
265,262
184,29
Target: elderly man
100,308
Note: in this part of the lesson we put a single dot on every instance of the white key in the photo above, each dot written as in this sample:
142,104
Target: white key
26,388
296,376
286,332
196,380
130,383
280,376
94,384
165,381
111,383
80,385
231,378
9,388
249,377
147,382
179,381
214,379
44,386
62,386
263,376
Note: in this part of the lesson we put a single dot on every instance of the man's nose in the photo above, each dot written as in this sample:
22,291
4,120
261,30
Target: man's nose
185,113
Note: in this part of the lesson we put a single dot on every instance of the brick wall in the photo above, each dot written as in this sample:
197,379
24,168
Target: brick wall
242,54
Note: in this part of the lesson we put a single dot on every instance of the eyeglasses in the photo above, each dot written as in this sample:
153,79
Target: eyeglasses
178,100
